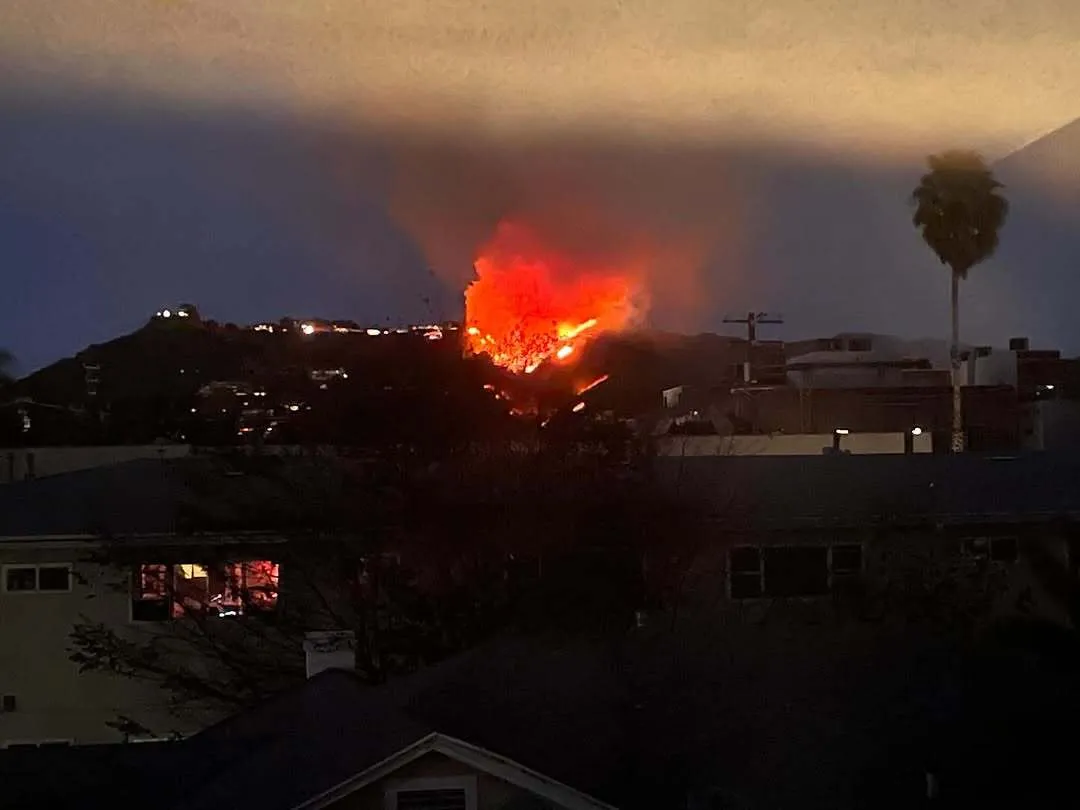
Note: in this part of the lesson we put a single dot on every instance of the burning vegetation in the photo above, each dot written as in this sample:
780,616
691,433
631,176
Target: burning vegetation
532,304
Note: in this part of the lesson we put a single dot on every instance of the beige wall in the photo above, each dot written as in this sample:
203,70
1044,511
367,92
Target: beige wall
805,444
491,793
15,463
54,701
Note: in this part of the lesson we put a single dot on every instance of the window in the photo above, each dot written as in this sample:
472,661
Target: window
796,571
792,571
1002,549
846,560
54,578
227,589
49,578
746,575
445,799
452,793
20,578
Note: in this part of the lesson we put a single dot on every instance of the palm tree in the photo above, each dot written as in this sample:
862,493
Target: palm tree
960,212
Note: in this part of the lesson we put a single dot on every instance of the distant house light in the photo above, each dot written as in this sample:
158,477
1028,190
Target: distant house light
916,431
373,332
308,328
166,314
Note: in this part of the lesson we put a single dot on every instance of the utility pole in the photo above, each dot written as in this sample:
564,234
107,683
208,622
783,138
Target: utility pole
752,319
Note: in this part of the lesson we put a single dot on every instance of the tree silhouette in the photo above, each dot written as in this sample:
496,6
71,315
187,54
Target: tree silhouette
417,564
960,211
6,362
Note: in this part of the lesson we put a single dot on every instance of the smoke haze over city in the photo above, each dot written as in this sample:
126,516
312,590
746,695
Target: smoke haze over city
347,161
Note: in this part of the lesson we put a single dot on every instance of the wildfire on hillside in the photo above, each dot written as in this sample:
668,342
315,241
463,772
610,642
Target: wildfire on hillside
532,304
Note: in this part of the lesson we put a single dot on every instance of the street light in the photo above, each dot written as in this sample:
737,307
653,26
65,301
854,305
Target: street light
916,431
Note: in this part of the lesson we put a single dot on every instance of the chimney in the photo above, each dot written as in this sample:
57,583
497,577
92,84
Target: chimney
1018,344
329,649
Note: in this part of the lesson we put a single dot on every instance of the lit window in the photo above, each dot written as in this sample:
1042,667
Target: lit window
226,589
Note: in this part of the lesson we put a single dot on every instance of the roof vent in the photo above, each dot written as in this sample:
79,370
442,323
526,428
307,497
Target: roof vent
1018,344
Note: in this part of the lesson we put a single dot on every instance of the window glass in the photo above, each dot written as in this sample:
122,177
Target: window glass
846,559
796,571
745,560
20,578
54,578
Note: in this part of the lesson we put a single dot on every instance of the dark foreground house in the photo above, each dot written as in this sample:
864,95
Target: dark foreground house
332,743
655,720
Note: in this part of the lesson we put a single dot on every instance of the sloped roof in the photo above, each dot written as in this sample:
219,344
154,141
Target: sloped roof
319,734
802,491
156,496
313,738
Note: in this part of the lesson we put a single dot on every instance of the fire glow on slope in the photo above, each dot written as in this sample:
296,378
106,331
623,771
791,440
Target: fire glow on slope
531,304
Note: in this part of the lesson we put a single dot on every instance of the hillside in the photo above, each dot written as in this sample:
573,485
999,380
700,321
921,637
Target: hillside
147,384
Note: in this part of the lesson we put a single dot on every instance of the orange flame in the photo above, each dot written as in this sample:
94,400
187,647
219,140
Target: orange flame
530,303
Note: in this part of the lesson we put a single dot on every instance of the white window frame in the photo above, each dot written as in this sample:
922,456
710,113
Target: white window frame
37,577
465,783
762,548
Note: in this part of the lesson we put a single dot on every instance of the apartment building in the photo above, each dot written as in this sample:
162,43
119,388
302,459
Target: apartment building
117,546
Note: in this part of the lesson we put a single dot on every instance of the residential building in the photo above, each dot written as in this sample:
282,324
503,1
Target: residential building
331,743
804,444
150,514
817,521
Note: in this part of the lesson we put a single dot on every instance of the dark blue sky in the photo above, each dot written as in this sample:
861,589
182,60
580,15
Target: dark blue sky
114,206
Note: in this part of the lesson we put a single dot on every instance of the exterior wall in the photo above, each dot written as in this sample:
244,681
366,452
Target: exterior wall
18,464
990,414
1055,425
54,701
888,558
491,793
807,444
863,375
997,368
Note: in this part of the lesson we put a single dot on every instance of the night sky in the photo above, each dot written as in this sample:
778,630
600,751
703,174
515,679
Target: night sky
342,159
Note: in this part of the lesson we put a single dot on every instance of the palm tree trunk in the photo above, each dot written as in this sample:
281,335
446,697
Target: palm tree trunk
954,358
